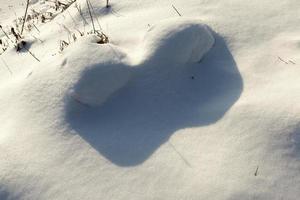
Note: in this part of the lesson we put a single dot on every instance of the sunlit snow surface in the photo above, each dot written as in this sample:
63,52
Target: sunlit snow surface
202,106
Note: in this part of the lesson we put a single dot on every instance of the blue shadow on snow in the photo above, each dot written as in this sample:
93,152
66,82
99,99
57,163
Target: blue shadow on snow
141,117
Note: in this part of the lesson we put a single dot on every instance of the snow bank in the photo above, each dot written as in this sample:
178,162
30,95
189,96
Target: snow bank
178,40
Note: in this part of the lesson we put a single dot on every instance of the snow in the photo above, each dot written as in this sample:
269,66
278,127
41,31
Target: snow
202,106
97,75
188,39
106,69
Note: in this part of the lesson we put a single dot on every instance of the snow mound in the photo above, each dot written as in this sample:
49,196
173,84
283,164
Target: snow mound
98,70
178,40
104,69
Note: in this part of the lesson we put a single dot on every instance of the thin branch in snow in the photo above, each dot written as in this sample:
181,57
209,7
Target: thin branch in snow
180,155
176,10
90,13
5,34
36,27
292,62
256,171
282,60
24,18
31,53
100,28
80,12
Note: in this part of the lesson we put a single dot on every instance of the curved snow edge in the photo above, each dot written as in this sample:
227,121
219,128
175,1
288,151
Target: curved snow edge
101,70
177,40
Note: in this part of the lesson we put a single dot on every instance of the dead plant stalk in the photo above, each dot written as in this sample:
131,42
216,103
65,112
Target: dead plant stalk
90,13
24,18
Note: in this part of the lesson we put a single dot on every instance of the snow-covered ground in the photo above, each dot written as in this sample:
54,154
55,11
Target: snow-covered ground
199,106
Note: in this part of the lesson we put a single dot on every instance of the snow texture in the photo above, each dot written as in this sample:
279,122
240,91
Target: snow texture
198,106
102,69
99,71
177,41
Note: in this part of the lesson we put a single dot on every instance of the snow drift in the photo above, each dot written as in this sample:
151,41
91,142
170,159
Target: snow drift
101,70
98,70
159,124
166,93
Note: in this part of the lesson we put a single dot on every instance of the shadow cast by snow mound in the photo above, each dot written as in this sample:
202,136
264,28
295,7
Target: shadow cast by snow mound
142,116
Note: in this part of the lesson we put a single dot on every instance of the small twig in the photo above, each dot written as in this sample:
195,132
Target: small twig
292,62
115,13
282,60
80,12
176,10
17,36
256,171
100,28
180,155
36,27
59,2
7,66
63,44
80,33
30,53
24,19
88,5
67,29
6,34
